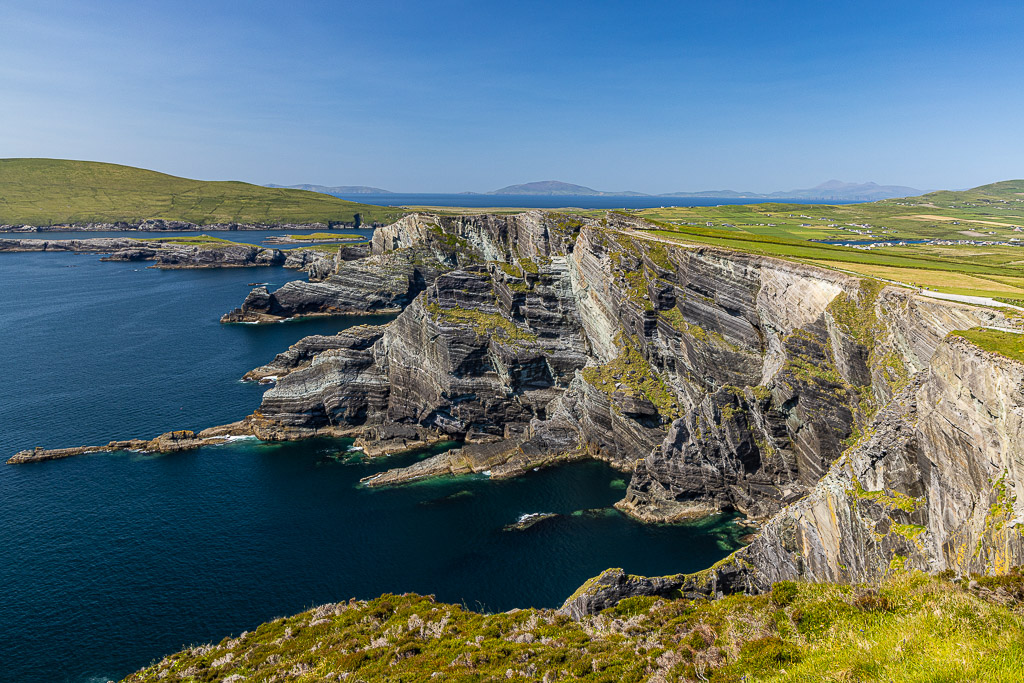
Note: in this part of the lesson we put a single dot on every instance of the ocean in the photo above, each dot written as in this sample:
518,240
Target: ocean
110,561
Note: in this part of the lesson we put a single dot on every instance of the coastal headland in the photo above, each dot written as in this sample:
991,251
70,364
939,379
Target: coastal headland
867,429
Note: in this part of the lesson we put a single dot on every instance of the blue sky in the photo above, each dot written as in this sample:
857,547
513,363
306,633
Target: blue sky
454,96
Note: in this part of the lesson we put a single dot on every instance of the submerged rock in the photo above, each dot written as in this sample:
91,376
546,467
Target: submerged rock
529,520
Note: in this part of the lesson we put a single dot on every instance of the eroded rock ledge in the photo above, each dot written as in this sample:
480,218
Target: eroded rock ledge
165,254
171,442
157,224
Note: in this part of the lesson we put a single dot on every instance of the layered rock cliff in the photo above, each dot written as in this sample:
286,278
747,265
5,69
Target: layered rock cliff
836,410
724,381
166,254
934,485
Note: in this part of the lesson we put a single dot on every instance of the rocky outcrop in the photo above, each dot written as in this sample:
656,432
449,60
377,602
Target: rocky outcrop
97,245
406,257
171,442
300,354
614,585
157,224
166,254
382,283
339,390
170,255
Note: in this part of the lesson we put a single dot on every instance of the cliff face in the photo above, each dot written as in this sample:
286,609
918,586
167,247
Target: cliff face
722,380
934,486
837,410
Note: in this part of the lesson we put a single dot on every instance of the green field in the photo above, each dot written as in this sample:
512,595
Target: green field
988,213
1009,344
56,192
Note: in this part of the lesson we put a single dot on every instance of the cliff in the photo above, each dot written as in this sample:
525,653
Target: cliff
724,381
837,412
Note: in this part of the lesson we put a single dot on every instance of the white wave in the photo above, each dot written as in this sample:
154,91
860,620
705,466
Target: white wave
531,515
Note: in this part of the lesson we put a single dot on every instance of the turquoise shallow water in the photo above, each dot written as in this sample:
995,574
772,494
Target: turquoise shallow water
110,561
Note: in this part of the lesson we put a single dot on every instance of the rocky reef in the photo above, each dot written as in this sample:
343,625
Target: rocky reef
166,253
171,442
158,224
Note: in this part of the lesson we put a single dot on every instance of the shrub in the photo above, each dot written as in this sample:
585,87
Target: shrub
784,592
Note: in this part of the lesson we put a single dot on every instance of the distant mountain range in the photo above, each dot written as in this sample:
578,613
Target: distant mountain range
556,187
340,189
830,190
833,189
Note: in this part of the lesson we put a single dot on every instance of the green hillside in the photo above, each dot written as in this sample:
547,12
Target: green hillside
58,191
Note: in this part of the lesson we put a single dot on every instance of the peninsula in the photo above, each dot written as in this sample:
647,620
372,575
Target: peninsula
866,426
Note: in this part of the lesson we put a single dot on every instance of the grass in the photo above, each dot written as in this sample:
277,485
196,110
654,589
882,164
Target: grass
631,374
483,324
57,192
1007,344
938,280
891,500
784,230
913,628
195,241
948,272
995,209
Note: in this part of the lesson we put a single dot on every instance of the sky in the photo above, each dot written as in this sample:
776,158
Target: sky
650,96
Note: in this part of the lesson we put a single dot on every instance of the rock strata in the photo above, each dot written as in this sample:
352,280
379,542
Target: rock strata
166,254
156,225
171,442
835,410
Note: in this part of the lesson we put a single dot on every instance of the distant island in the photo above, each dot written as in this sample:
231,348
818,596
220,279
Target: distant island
556,187
336,190
831,190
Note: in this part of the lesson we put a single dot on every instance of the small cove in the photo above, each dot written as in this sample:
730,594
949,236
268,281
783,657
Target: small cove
109,561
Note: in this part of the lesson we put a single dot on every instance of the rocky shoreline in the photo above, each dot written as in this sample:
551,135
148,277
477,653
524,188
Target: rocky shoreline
170,442
164,254
817,404
154,225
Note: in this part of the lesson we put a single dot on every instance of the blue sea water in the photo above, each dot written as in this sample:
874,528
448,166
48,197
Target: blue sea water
560,201
110,561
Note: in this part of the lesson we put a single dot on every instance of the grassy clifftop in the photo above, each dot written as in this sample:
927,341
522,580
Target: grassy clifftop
913,628
58,191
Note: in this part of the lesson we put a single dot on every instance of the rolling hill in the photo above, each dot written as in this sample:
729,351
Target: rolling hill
59,191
